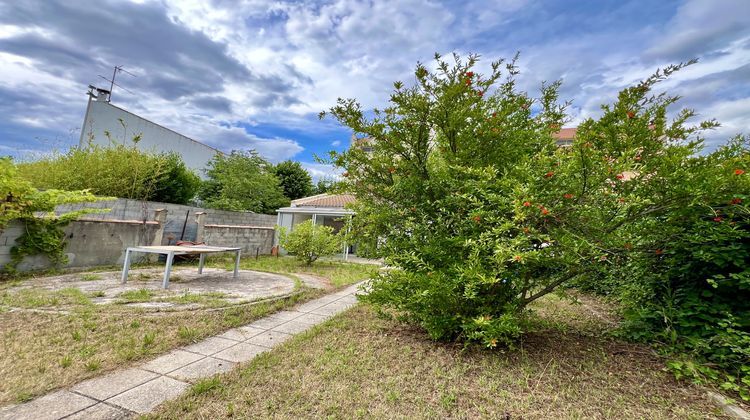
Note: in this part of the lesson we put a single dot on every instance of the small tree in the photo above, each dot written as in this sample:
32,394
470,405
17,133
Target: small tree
294,179
482,214
309,242
242,181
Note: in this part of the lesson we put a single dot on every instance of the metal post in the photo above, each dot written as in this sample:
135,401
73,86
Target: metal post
126,267
237,264
202,260
168,269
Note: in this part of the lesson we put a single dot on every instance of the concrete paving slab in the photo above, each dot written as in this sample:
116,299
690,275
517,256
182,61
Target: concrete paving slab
312,319
146,397
293,327
203,368
241,352
242,333
110,385
210,346
266,323
269,339
49,407
351,299
315,304
332,309
101,411
171,361
285,315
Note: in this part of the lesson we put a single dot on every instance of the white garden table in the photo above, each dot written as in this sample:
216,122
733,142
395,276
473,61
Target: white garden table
171,250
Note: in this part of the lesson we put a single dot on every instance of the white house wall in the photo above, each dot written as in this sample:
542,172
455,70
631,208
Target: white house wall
102,116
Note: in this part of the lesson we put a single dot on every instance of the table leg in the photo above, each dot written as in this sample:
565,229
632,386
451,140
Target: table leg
126,267
200,264
167,270
237,264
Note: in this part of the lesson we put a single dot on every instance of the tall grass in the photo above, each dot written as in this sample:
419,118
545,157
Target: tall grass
117,170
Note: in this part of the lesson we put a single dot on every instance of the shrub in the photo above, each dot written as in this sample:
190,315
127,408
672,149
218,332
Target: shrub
482,214
118,171
310,242
242,181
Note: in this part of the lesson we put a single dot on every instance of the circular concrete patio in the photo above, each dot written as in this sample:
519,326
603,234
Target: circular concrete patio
105,287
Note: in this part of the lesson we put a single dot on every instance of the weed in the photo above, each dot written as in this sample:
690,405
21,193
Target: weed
90,277
93,365
97,294
149,338
206,385
66,361
187,333
134,296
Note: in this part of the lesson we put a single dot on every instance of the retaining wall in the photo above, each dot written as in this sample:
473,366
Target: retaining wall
180,223
101,239
88,242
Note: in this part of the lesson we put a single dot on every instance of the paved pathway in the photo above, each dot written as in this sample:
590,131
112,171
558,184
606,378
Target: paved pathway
140,389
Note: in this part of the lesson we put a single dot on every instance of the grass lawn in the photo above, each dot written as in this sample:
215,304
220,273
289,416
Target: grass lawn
359,365
45,350
338,272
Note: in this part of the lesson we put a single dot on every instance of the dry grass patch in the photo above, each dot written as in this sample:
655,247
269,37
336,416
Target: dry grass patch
361,366
338,272
43,351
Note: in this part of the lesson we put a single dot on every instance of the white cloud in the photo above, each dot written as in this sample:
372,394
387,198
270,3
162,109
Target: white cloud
320,171
336,143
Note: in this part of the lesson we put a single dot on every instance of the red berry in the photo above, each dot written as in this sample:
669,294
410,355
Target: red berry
658,252
469,74
477,219
549,174
738,172
526,204
736,200
718,219
568,196
631,114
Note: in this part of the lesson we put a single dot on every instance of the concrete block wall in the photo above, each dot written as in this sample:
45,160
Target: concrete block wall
180,223
127,209
89,243
250,238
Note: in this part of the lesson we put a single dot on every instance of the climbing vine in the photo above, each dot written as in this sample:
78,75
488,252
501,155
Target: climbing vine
35,209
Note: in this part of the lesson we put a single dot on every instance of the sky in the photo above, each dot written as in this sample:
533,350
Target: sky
254,74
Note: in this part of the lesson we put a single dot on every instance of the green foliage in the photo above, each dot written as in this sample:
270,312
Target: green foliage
480,213
309,242
242,181
176,183
43,233
295,181
324,185
117,170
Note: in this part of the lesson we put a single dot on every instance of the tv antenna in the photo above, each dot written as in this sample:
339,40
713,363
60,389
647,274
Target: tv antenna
112,84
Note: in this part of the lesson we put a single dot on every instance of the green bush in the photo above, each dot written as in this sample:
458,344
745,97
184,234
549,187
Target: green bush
242,181
117,170
308,242
482,214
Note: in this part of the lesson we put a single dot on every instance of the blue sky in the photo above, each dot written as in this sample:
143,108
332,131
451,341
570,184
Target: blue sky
254,74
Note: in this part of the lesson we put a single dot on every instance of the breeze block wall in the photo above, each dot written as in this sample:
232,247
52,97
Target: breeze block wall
252,239
89,243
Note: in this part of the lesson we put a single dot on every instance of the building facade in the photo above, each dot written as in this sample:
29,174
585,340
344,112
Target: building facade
102,117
